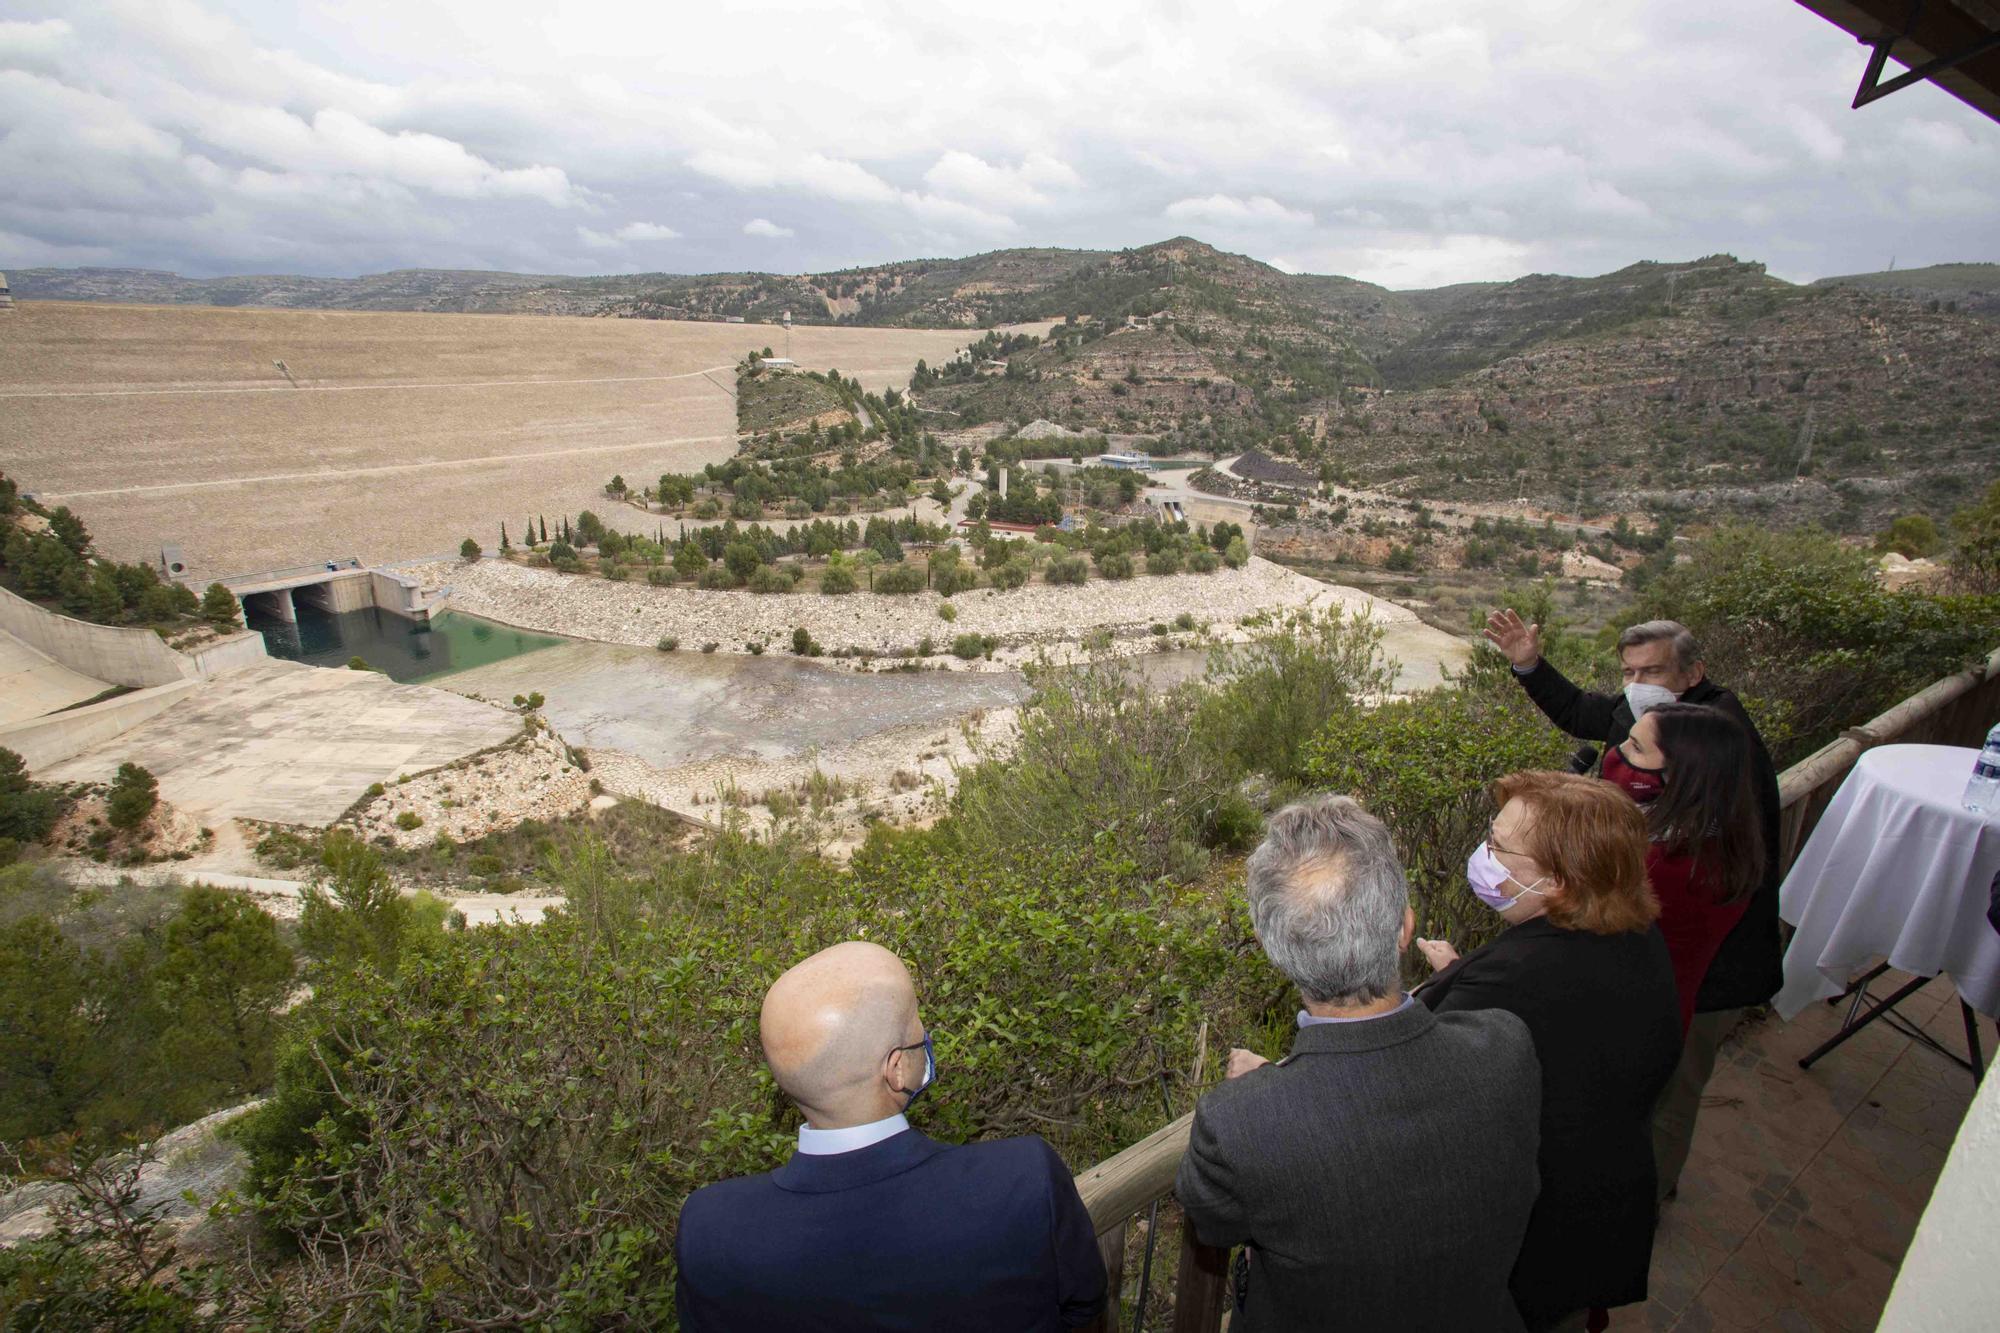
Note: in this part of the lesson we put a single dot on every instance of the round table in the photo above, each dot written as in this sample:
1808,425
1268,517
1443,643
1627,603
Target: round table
1896,869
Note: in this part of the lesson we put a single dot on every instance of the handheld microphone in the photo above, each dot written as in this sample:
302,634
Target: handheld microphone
1584,759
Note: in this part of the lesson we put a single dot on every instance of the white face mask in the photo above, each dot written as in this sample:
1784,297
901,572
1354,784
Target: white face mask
1642,699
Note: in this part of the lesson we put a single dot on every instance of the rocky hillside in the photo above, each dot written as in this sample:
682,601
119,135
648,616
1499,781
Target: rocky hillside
1972,289
421,289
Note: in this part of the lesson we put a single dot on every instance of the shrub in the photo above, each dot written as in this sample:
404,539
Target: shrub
1236,554
27,809
716,577
1184,621
660,576
1115,565
710,647
1274,692
836,581
408,820
1013,574
667,643
955,579
742,559
1166,560
134,794
754,647
768,579
803,643
614,571
1068,569
947,612
900,580
561,551
218,607
926,646
1204,561
468,549
1421,765
968,646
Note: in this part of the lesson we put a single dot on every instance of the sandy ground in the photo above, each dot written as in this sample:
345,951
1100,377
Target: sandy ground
397,435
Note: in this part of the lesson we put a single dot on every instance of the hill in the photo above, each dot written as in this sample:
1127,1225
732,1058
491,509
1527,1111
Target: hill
1972,289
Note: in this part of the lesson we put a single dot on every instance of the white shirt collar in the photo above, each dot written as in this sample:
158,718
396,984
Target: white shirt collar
826,1142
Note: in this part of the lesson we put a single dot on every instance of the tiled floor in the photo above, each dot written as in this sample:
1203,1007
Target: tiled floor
1805,1186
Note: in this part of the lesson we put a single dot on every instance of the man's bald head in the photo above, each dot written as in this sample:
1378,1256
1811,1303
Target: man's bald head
830,1022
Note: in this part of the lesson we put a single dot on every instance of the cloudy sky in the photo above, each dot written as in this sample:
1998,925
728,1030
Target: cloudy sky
1411,144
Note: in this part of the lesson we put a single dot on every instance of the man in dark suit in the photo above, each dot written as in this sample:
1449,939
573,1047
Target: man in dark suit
1382,1174
1662,659
872,1225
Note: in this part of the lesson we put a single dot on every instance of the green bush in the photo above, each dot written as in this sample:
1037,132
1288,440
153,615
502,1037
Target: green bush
468,549
947,612
409,820
1274,692
1236,554
1115,565
1068,569
768,579
1013,574
900,580
1166,560
836,581
1422,765
668,643
804,644
27,809
219,608
134,794
972,646
954,579
1203,561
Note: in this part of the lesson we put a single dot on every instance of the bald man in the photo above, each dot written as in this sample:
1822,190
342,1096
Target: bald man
872,1225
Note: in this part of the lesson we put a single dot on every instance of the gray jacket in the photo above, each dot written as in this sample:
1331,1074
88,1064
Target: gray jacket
1382,1174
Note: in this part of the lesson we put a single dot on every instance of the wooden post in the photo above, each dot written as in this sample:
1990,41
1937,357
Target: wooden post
1201,1288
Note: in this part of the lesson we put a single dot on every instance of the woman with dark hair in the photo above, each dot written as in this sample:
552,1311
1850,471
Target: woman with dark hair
1689,768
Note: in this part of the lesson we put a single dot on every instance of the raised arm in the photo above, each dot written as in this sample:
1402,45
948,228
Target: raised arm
1584,714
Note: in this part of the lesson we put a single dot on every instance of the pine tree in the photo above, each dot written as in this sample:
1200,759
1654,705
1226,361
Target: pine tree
504,547
545,529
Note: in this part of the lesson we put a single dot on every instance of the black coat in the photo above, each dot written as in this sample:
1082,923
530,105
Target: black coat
1749,967
1606,1022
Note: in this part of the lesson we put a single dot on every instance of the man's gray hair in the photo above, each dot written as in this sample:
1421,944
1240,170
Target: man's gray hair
1686,651
1327,896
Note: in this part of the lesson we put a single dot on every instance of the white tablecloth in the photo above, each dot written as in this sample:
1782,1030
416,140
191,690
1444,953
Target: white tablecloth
1896,869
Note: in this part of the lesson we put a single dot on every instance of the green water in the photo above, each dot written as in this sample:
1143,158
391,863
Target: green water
405,650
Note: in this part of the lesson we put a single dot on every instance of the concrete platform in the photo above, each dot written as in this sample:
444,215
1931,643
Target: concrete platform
293,744
32,683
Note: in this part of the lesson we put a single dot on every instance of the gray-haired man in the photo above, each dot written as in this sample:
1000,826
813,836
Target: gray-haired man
1662,662
1382,1173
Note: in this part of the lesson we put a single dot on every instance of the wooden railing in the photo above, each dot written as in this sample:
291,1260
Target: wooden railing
1954,711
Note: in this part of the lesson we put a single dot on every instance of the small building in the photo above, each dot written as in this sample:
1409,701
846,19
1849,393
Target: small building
1126,462
778,363
6,297
732,319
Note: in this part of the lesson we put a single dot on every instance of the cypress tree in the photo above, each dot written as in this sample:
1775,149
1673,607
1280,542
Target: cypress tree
503,535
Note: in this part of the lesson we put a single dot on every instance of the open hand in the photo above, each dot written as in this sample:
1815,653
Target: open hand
1242,1062
1438,953
1521,642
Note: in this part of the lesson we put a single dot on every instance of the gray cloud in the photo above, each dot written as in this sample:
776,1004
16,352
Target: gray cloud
1416,144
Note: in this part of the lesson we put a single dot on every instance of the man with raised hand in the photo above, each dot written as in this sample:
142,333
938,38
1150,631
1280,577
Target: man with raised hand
1663,663
871,1224
1382,1174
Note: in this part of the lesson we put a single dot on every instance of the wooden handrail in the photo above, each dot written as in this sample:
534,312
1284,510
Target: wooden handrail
1126,1183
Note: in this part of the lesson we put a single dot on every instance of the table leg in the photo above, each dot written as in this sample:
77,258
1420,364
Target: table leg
1850,1027
1978,1065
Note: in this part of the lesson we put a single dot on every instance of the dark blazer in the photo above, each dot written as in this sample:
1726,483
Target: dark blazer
1749,967
908,1233
1381,1174
1607,1027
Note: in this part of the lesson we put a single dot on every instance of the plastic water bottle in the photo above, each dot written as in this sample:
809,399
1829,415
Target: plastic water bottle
1982,793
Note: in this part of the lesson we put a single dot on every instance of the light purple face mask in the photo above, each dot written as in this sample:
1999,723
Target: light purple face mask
1489,880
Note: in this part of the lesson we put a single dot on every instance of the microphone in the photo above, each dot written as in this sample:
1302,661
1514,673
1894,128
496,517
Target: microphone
1584,759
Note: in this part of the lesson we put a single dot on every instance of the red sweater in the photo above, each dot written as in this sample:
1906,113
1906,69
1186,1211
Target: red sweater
1693,922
